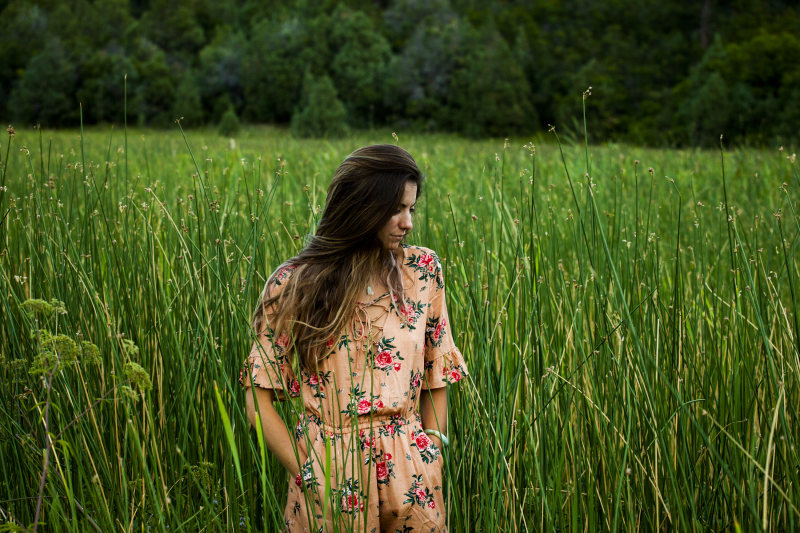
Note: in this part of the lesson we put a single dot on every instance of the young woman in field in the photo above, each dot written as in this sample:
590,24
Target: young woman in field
356,326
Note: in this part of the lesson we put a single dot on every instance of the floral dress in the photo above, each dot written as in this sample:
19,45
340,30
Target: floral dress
360,425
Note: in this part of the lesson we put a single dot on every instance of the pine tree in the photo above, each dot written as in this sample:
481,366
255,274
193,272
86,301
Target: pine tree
187,105
322,113
229,125
155,91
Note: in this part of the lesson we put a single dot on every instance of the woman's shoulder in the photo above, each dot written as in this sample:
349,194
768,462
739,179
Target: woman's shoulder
413,250
419,254
423,262
284,271
417,249
279,277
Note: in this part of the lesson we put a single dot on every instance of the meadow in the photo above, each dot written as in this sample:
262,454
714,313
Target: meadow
629,318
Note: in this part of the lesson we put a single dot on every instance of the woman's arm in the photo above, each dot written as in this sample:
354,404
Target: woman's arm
433,409
274,429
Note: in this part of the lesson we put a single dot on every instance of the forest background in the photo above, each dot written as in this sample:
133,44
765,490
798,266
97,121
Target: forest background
662,73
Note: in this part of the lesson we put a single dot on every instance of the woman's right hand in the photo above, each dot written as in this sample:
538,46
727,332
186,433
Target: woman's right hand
276,436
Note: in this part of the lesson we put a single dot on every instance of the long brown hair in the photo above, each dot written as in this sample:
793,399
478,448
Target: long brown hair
318,301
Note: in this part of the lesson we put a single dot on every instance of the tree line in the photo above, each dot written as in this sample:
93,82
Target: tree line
662,72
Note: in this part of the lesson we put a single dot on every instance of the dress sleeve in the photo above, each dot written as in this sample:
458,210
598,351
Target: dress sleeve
444,363
268,365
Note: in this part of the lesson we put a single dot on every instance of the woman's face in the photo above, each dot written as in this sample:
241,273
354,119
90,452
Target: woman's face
392,233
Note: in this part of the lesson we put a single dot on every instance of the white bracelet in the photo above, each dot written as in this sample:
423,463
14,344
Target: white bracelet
442,438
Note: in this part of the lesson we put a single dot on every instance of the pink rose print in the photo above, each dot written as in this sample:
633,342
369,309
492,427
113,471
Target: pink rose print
350,503
388,456
295,387
416,383
390,429
367,441
384,359
431,504
397,366
437,332
383,472
313,380
364,407
379,404
417,493
283,341
455,375
422,441
426,260
330,342
408,312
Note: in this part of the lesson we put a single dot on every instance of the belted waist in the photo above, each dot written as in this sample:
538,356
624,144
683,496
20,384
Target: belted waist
381,423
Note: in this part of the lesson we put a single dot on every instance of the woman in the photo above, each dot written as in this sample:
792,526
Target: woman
356,326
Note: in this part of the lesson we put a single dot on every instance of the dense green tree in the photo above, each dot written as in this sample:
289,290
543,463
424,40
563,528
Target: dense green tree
102,89
173,26
709,110
23,26
155,90
403,17
359,65
788,119
277,53
85,26
762,69
259,10
229,124
493,96
606,106
220,68
46,91
321,113
188,105
695,97
429,64
418,85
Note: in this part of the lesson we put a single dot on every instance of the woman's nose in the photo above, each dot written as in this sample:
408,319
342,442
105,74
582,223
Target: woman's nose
405,221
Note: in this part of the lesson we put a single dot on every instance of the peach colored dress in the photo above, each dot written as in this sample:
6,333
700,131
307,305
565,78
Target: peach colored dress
360,418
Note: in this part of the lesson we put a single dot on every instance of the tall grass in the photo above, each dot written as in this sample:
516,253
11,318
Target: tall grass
628,316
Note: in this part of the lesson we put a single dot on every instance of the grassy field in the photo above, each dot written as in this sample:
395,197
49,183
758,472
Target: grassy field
629,318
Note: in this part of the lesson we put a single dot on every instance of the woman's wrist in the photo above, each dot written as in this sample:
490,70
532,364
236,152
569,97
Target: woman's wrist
297,472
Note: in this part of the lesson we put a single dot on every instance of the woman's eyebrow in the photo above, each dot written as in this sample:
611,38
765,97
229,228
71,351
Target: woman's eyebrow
406,205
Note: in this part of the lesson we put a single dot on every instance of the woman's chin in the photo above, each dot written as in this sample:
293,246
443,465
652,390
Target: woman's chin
392,244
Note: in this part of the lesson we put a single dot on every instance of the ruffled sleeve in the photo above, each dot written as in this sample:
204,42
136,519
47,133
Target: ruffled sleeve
268,365
444,363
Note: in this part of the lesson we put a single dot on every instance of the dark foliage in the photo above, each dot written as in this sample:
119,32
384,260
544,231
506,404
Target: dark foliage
677,73
321,113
